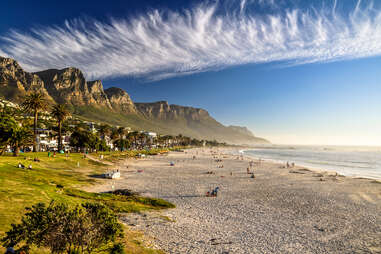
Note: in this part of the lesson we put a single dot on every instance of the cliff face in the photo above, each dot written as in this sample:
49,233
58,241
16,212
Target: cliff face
114,105
15,82
161,110
69,86
243,130
120,100
98,95
196,122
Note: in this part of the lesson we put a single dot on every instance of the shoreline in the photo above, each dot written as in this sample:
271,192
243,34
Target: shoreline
309,167
301,211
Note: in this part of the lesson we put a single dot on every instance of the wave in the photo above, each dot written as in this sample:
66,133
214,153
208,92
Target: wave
346,162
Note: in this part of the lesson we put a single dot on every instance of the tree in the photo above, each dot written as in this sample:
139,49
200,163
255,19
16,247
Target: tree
60,113
134,136
104,130
20,136
85,139
34,103
7,124
114,134
121,132
122,144
142,138
83,228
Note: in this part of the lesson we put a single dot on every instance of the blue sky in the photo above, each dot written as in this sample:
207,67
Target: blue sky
293,72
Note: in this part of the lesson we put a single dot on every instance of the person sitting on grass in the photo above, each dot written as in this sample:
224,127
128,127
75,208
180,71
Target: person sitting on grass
10,250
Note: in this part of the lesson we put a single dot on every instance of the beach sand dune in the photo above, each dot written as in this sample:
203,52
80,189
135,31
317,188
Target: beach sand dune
278,211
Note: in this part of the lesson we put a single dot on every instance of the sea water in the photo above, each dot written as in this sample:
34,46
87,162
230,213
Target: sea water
348,161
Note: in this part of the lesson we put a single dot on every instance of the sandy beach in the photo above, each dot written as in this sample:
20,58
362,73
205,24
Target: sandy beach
281,210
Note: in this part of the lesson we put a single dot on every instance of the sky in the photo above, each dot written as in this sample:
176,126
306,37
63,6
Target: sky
292,71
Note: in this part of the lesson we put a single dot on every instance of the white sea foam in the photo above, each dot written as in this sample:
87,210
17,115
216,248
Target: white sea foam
355,162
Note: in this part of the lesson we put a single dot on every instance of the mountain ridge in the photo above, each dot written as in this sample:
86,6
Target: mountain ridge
89,100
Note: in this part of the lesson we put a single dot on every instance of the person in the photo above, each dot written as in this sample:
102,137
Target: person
248,170
10,250
49,154
215,191
287,165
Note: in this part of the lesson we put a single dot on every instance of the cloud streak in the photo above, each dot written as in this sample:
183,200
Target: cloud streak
163,44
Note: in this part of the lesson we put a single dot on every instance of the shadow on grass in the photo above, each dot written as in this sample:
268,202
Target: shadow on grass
99,176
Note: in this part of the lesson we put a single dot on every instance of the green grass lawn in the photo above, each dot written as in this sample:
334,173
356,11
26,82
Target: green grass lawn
60,179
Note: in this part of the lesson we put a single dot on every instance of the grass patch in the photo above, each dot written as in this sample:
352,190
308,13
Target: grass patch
59,178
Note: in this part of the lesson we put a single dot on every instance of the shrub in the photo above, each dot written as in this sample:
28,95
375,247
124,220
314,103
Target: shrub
81,229
118,248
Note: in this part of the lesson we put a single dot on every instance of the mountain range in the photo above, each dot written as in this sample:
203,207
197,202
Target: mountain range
90,101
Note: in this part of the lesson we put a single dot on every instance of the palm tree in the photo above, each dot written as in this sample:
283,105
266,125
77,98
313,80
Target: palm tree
143,138
60,113
114,134
34,103
20,136
104,130
134,135
121,132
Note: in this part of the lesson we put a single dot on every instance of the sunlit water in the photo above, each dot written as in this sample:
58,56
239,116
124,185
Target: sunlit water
348,161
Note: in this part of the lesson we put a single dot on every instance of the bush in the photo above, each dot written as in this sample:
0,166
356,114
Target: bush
82,229
118,248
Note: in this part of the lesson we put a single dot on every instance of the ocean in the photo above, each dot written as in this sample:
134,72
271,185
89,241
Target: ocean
348,161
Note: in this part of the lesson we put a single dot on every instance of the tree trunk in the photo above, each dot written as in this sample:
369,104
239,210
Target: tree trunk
16,150
59,136
35,131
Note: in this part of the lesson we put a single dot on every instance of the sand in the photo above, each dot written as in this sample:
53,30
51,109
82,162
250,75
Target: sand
281,210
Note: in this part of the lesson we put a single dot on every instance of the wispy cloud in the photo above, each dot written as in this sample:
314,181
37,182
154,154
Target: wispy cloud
161,44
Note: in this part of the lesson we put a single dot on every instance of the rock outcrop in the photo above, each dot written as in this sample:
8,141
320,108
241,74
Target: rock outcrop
98,95
196,122
120,101
69,86
15,82
240,129
161,110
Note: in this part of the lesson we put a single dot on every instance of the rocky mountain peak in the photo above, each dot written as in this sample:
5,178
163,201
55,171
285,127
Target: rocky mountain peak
162,110
15,82
70,86
95,86
120,100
